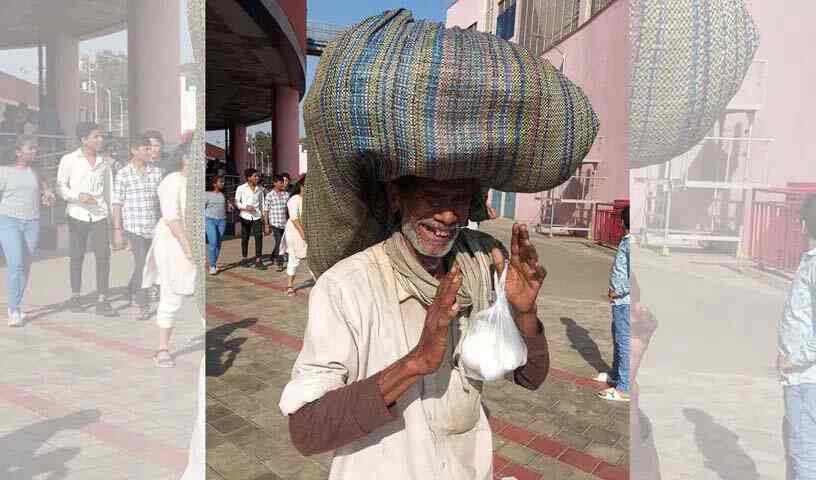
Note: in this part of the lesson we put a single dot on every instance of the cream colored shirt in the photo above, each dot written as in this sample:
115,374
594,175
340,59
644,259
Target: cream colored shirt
75,176
361,321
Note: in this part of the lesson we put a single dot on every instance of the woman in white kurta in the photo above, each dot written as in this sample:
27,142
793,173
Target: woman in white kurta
170,259
294,237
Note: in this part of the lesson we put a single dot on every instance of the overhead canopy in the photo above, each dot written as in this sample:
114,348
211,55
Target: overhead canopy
251,49
24,23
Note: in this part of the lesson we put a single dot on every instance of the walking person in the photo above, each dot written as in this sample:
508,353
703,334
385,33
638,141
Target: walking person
618,294
215,219
170,258
295,235
796,359
85,182
274,212
249,198
135,213
22,191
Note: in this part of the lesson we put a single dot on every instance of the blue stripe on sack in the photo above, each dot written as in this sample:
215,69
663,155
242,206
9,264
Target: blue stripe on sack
569,137
692,86
502,125
430,105
358,106
401,97
383,171
653,72
520,111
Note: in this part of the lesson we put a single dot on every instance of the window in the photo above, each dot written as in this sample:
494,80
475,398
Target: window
547,22
506,21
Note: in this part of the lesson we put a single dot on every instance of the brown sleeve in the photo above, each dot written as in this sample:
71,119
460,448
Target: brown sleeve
340,417
532,374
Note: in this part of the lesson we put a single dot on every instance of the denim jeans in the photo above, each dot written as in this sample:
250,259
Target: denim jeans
19,241
215,233
800,431
620,352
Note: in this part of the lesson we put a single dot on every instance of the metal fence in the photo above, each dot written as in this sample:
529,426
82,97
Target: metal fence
777,239
606,226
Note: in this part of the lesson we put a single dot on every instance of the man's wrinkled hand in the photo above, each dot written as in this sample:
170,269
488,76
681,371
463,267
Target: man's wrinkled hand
526,274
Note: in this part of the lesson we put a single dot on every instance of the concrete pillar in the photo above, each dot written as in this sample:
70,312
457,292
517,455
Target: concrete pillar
154,55
238,148
285,130
62,84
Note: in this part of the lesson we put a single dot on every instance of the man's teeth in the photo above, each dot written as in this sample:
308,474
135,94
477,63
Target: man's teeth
438,233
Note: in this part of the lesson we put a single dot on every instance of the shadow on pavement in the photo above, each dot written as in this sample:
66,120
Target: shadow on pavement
582,342
721,448
218,346
18,450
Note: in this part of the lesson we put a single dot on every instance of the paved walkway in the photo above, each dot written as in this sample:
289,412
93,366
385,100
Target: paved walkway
562,431
79,394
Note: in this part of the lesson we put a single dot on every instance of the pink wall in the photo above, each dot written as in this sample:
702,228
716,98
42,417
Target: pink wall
465,13
296,11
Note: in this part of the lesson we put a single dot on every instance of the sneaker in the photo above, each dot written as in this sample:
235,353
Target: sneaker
153,293
105,309
74,304
605,378
246,263
14,318
213,270
259,266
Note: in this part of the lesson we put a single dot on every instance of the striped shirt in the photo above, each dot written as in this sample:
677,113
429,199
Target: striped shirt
275,205
137,194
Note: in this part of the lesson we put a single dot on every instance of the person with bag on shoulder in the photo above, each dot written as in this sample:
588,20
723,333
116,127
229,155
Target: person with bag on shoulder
392,184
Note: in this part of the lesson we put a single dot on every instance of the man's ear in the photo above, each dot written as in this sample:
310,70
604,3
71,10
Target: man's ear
393,194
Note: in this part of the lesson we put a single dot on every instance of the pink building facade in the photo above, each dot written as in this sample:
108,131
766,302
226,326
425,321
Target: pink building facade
592,50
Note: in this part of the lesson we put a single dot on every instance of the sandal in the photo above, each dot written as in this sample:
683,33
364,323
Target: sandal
290,292
163,360
612,394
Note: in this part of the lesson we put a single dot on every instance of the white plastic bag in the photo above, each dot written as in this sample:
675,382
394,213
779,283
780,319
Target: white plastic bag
492,345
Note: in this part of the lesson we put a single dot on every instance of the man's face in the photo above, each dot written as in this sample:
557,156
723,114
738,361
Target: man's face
141,153
279,185
254,179
27,153
94,141
219,184
432,213
155,149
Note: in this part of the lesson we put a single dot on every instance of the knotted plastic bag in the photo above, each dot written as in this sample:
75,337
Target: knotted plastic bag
492,345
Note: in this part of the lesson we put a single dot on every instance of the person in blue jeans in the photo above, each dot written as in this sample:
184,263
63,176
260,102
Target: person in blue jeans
618,294
215,213
21,193
796,359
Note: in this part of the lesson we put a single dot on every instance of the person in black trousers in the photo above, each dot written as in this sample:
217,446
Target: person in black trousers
249,199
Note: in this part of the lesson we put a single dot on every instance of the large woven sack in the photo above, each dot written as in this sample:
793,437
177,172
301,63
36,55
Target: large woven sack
689,58
394,97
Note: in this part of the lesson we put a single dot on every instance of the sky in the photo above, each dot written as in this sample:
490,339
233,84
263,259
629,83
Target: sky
345,14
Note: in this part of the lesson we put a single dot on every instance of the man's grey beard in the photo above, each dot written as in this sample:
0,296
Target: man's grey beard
409,230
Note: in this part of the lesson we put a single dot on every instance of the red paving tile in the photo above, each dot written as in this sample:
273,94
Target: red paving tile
606,471
496,425
499,462
547,446
273,334
579,460
521,473
134,443
517,434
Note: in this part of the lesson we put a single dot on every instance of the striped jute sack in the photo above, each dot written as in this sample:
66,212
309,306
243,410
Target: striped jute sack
689,58
396,97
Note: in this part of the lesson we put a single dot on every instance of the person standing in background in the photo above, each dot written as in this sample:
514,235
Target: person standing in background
796,359
618,294
249,198
85,182
135,213
295,236
215,216
22,191
275,216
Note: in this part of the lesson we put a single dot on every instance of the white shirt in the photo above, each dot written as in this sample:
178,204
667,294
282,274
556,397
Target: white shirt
245,197
76,176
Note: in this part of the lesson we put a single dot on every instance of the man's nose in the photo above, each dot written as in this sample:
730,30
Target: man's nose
448,217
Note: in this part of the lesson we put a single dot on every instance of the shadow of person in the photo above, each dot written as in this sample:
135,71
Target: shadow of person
582,342
18,450
218,344
721,448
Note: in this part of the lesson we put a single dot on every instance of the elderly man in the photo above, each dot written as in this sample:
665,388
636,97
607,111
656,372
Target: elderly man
393,182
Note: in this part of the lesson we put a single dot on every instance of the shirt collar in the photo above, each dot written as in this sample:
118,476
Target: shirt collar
402,293
811,252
